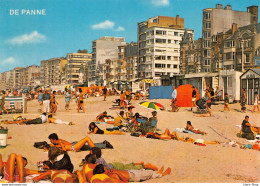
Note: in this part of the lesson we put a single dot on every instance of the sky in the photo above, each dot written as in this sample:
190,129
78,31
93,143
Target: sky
69,25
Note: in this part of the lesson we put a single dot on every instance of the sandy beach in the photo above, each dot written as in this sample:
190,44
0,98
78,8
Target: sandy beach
189,162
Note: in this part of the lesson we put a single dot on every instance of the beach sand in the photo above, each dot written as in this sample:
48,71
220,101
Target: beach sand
189,162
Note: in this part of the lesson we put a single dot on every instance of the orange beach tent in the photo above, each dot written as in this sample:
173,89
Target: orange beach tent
184,95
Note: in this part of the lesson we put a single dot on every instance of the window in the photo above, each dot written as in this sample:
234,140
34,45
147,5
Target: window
175,66
247,58
207,25
160,40
230,56
228,44
207,15
207,34
169,57
175,33
160,32
169,41
168,66
175,41
207,43
207,62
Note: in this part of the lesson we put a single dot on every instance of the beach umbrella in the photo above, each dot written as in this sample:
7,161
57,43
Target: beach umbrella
184,95
152,105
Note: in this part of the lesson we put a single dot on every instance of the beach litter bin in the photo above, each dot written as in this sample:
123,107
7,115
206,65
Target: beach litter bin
3,137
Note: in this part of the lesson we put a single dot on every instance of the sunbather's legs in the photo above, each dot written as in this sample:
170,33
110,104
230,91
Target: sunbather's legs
58,180
168,171
167,132
9,168
80,177
1,163
20,167
82,142
151,166
116,132
211,142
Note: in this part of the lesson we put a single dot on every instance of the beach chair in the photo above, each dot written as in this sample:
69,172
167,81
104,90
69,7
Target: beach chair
149,126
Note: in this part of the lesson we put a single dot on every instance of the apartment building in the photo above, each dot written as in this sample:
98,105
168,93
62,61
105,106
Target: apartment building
131,58
75,70
219,19
25,76
237,49
102,49
159,46
51,70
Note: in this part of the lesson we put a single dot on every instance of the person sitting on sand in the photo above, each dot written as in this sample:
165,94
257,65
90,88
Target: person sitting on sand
14,169
129,114
246,129
189,127
119,120
118,165
56,176
99,175
137,95
51,119
60,159
103,116
94,129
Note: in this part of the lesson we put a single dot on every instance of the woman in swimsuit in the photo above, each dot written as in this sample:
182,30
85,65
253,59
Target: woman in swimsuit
208,101
57,176
53,103
81,102
94,129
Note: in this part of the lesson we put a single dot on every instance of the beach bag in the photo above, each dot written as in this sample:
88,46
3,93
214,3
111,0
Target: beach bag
136,134
255,147
41,145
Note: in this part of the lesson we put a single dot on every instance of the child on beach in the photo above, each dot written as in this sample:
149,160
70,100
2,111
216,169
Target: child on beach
256,103
53,103
226,102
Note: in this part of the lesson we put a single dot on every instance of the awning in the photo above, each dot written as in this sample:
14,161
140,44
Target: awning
199,75
148,81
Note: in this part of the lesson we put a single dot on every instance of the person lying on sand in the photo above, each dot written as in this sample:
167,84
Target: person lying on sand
51,119
76,146
118,165
192,129
39,120
13,169
56,176
94,129
167,135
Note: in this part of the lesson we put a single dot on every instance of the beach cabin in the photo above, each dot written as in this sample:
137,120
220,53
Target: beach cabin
250,82
15,104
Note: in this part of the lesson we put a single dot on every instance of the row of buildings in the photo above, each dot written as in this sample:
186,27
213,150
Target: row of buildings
166,52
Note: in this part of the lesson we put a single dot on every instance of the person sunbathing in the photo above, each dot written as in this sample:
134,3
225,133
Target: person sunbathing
51,119
94,129
67,146
14,168
137,96
56,176
137,175
118,165
77,146
189,127
39,120
99,176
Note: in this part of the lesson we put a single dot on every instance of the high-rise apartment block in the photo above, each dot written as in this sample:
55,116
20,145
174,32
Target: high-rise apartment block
75,70
102,49
51,71
159,46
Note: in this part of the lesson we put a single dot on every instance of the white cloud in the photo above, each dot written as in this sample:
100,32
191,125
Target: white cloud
8,61
120,28
161,2
34,37
104,25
